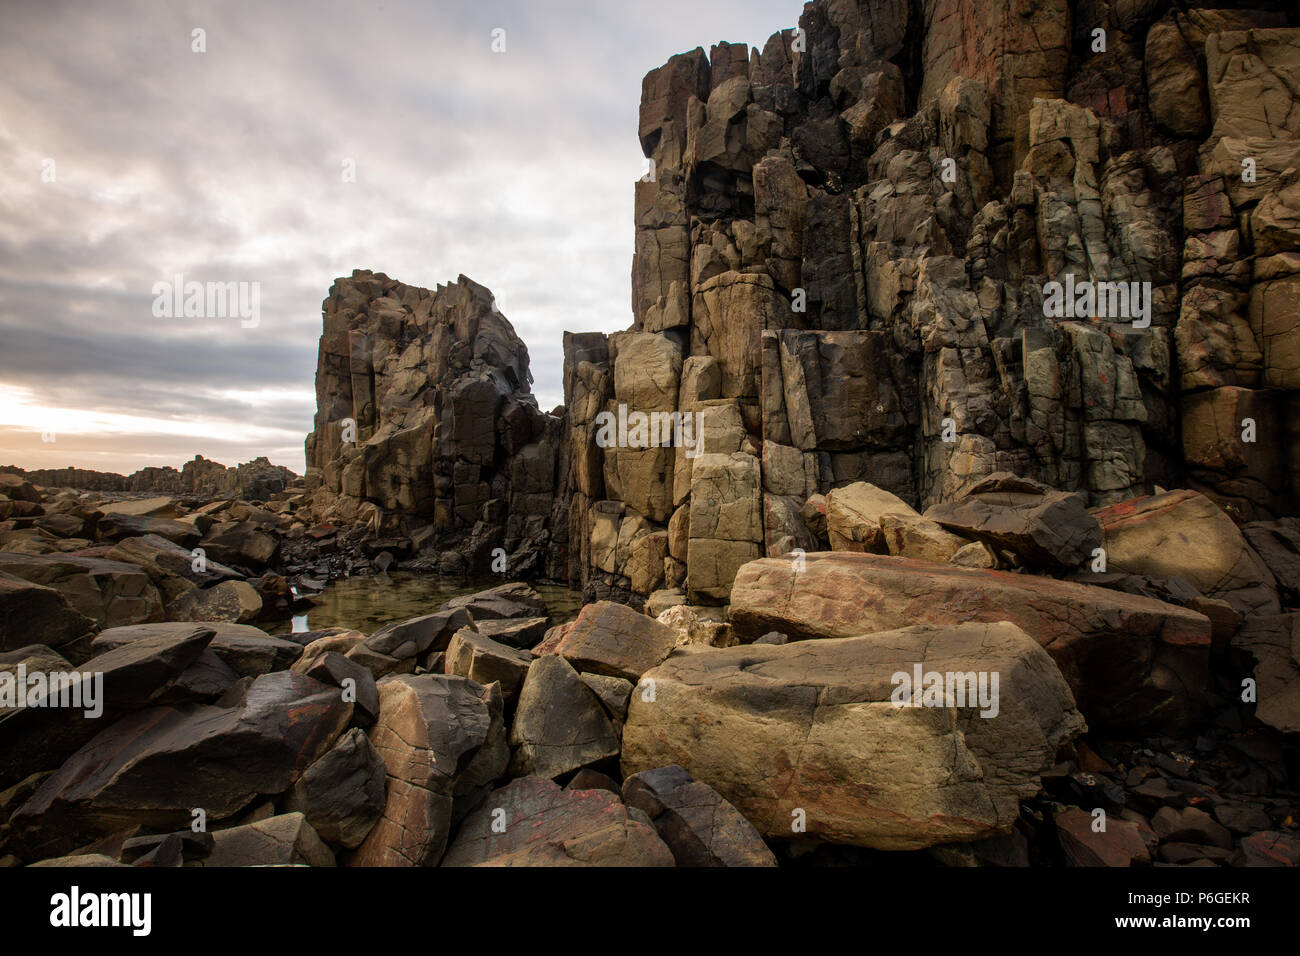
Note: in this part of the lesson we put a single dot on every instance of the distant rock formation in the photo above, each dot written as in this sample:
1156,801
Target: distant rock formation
426,427
843,258
257,479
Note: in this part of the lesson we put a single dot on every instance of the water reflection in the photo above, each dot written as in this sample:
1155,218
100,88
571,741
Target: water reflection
368,603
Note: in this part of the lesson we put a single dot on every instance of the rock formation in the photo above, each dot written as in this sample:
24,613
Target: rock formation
426,428
843,256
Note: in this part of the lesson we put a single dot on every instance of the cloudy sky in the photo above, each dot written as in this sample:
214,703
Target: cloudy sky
126,158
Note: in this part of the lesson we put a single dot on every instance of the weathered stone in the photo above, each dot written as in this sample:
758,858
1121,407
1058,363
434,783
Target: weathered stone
1130,661
547,826
442,742
247,650
560,724
1185,534
482,659
813,727
615,640
699,826
342,794
286,840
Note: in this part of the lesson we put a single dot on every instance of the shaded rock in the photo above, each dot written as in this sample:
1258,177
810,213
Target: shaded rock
1050,529
560,723
247,650
34,614
613,692
512,600
286,840
359,685
233,601
342,794
524,632
1190,825
1119,844
1273,642
63,719
432,632
699,826
113,593
155,765
547,826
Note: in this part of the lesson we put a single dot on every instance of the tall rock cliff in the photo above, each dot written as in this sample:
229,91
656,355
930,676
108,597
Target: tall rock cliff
426,427
844,256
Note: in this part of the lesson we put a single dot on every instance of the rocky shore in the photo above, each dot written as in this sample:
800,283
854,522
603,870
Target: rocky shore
925,566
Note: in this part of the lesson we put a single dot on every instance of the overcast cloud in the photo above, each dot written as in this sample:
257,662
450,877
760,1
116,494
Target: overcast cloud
513,168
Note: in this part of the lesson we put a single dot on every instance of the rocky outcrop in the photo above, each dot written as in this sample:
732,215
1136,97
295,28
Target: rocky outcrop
426,428
845,257
255,480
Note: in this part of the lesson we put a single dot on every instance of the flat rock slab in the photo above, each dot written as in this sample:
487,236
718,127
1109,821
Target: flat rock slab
1132,662
811,733
560,724
153,767
107,686
507,601
542,825
248,651
285,840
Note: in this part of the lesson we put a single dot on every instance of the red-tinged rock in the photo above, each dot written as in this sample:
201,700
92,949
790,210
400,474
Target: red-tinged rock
1132,662
538,824
1119,844
1271,848
1185,534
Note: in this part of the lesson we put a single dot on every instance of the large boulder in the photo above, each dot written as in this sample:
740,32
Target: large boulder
1131,661
285,840
853,515
342,794
443,743
819,735
73,705
532,822
235,602
1185,534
